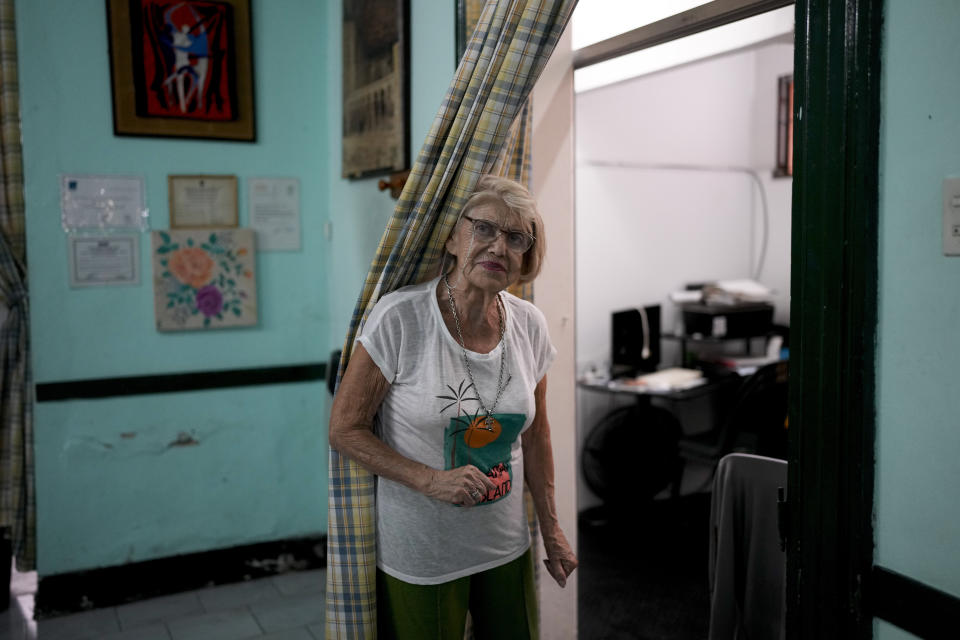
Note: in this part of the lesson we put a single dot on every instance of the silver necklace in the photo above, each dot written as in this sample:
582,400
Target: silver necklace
501,385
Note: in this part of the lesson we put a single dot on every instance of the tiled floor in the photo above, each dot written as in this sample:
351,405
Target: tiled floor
284,607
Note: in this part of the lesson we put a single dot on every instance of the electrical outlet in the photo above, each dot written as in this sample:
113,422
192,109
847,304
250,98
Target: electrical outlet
951,216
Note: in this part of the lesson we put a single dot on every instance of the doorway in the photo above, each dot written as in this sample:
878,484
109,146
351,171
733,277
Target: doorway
676,185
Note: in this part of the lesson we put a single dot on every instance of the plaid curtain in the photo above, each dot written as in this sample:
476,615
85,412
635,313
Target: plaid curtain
17,503
469,138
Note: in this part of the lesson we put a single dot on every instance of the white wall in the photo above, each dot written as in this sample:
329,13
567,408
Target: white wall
554,294
644,232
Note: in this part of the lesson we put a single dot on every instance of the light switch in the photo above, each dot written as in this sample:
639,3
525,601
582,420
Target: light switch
951,216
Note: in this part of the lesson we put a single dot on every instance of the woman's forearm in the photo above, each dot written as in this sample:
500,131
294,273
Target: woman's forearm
538,465
361,393
538,472
370,452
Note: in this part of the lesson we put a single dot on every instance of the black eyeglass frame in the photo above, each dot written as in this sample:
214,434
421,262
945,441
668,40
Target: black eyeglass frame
500,230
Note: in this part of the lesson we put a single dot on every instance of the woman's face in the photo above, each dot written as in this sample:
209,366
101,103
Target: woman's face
488,265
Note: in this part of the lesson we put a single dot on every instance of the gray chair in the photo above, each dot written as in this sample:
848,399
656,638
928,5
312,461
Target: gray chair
747,570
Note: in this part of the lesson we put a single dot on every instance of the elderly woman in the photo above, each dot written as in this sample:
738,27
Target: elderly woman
451,374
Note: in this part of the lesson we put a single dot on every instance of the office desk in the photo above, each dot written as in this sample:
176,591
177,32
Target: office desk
644,393
630,453
698,409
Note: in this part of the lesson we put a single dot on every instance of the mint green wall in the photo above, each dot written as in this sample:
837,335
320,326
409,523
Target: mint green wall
358,210
918,439
67,127
110,487
258,470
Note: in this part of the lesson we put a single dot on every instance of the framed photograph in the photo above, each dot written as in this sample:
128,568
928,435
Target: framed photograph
202,201
468,14
376,88
181,68
204,279
784,166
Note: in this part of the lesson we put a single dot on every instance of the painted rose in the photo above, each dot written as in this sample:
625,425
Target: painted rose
192,266
209,300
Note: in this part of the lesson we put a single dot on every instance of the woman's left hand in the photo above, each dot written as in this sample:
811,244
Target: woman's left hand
560,561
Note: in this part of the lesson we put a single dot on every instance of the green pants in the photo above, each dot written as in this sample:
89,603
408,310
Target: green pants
502,603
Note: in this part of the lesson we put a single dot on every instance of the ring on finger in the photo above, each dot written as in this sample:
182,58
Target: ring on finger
475,494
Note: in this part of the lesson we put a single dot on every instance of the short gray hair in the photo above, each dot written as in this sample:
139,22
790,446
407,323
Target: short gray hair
512,198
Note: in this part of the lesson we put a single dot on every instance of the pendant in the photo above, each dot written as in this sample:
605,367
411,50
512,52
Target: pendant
488,422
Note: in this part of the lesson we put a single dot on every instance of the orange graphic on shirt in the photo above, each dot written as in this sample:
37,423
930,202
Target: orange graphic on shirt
479,434
468,438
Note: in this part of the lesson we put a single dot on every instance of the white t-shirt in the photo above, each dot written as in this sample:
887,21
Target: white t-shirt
427,415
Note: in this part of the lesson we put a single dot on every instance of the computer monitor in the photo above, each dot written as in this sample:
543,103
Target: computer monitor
636,341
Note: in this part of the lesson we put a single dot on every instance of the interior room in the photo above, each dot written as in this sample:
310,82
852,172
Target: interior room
677,184
173,478
126,475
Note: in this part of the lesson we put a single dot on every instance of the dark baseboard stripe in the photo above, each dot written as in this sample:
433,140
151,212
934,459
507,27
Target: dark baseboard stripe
171,383
70,592
913,606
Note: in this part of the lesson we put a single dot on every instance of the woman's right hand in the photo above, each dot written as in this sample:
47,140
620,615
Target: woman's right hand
464,485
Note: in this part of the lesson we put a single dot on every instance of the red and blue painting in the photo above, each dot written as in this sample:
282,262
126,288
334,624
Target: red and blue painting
184,59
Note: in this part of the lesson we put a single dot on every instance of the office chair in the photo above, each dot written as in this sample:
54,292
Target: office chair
747,563
755,423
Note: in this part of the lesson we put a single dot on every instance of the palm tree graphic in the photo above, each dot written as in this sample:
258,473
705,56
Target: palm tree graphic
458,397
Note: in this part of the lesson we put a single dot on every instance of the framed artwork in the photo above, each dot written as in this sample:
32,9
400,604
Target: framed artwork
181,68
468,14
202,201
376,88
784,166
204,279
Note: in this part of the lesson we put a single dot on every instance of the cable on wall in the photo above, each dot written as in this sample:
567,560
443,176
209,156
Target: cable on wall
654,166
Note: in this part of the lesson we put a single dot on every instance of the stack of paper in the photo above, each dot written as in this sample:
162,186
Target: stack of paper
745,290
668,379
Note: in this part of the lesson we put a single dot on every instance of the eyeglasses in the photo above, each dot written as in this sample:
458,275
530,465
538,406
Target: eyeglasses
486,231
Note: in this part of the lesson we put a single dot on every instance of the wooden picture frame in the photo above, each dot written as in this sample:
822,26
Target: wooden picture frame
468,14
376,87
202,201
784,168
182,68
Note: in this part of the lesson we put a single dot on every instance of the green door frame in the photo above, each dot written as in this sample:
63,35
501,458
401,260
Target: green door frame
833,317
833,311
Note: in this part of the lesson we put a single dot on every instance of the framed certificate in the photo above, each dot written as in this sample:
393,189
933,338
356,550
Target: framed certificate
202,201
97,261
274,205
102,202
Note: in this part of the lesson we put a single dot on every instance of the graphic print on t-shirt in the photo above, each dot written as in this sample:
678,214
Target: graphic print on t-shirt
468,439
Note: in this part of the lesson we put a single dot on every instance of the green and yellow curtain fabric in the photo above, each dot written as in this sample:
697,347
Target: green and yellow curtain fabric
17,503
485,107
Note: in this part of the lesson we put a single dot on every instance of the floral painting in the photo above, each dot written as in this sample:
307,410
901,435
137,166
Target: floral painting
204,279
